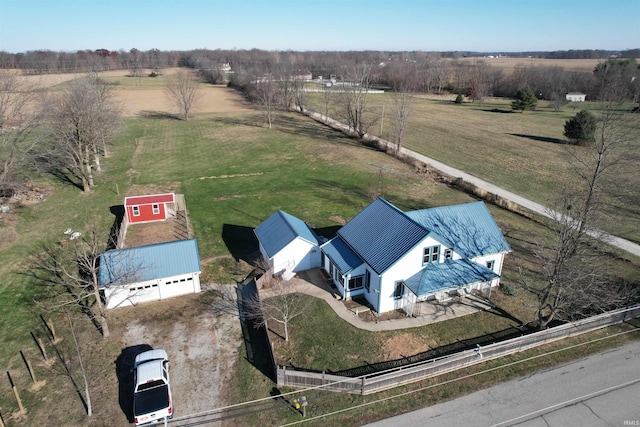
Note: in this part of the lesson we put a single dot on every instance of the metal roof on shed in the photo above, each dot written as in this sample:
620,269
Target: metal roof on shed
447,275
150,199
280,229
468,228
341,255
141,263
381,234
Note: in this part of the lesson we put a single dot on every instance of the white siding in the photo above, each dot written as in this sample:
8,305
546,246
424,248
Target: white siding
152,290
405,267
299,255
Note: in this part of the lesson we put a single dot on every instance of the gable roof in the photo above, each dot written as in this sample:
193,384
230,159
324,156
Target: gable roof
447,275
341,255
381,234
280,229
150,262
468,228
150,199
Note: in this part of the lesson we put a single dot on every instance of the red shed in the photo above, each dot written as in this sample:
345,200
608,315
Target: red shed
148,208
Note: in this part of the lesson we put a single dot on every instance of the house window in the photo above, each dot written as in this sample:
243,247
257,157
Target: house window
448,253
156,209
367,280
398,291
431,254
490,264
355,283
136,211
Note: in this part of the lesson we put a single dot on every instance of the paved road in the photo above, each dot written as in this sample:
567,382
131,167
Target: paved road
599,390
619,242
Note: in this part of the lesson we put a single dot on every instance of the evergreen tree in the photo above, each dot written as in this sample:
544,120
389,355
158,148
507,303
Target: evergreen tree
525,100
581,129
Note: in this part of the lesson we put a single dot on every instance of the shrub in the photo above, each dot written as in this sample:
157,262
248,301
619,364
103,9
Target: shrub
459,99
507,290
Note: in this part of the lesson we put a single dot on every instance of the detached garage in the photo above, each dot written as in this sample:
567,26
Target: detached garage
149,273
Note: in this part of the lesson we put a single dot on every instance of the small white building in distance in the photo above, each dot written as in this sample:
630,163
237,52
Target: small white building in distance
576,97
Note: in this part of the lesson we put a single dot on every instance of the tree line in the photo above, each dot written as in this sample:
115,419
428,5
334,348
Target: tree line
438,72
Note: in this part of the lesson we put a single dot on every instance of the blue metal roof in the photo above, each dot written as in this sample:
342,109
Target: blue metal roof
468,228
341,255
130,265
280,229
446,275
381,234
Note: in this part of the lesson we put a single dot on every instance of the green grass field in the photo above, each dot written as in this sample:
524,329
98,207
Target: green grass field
236,172
521,152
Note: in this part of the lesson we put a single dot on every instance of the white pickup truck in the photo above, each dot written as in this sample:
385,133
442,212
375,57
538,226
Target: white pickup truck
152,393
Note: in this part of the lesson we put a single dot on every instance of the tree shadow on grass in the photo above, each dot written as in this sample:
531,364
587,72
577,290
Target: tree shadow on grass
539,138
159,115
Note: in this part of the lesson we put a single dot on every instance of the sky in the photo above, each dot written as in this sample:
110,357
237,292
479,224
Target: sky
305,25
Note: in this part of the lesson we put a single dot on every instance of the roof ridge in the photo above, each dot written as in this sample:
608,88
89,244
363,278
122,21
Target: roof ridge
286,215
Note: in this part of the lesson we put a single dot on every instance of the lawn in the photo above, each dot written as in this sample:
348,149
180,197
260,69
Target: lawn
234,172
521,152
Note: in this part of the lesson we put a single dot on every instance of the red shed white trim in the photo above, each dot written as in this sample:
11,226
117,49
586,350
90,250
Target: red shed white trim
148,208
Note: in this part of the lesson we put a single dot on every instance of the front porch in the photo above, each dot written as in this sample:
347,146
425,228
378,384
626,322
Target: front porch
360,314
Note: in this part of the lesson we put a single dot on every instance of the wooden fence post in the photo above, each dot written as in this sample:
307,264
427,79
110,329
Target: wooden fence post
41,346
15,393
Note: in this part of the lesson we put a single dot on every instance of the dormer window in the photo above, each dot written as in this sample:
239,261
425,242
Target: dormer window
431,254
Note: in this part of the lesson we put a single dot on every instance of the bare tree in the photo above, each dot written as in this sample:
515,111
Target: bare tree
183,89
83,119
265,91
575,279
279,304
70,272
610,151
403,79
355,88
479,81
327,96
20,113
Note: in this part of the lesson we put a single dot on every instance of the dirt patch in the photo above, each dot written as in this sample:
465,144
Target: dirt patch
402,345
338,219
202,348
153,232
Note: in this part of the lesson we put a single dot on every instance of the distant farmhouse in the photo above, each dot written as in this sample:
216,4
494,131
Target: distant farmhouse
576,97
392,258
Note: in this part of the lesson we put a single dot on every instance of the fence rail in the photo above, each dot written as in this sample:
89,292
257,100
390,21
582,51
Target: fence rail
384,380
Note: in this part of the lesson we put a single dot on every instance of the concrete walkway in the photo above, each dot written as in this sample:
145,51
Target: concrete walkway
312,282
619,242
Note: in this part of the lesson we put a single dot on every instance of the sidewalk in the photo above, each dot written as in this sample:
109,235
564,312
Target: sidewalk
312,282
